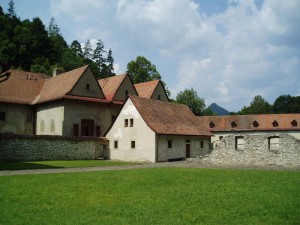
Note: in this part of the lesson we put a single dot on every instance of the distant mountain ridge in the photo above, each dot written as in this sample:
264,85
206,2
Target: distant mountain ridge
218,109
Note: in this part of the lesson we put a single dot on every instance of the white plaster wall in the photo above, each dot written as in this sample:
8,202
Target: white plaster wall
143,136
50,119
216,135
178,149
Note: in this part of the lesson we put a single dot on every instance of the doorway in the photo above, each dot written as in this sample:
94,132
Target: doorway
187,149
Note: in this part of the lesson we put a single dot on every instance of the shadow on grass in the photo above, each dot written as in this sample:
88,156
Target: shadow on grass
26,166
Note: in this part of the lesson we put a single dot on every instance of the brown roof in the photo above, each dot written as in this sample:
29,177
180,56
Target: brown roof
111,85
20,87
59,86
168,118
265,122
146,89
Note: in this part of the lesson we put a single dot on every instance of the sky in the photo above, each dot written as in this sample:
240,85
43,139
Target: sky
228,51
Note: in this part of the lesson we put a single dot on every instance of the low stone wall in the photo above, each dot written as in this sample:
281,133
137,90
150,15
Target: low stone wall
36,147
255,152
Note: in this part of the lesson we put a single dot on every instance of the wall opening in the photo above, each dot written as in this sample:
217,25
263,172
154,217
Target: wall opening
239,142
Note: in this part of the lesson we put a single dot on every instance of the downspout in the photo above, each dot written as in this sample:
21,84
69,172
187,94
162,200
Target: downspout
156,147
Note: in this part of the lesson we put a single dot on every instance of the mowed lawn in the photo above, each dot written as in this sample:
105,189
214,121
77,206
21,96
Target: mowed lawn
152,196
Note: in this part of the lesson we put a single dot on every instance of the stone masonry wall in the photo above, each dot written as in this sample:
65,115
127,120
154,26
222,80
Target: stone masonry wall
30,148
256,151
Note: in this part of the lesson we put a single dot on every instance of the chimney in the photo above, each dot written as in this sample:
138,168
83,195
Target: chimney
57,72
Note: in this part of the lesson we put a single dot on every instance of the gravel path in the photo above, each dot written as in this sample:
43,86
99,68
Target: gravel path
182,164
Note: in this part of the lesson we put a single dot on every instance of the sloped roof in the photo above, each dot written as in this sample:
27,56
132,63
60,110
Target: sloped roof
110,85
57,87
146,89
168,118
251,122
20,87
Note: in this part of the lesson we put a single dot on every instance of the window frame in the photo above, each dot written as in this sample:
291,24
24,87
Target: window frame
131,124
125,122
170,143
116,144
132,144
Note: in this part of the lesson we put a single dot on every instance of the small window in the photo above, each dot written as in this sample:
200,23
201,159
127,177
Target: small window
126,123
132,144
98,131
255,124
169,143
233,124
201,144
294,123
158,97
2,116
115,144
239,142
87,86
221,137
131,122
75,130
212,125
275,123
126,93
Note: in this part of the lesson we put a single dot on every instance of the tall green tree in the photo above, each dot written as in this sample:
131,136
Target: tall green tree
87,50
11,9
190,98
287,104
142,70
53,28
76,46
110,64
258,106
99,58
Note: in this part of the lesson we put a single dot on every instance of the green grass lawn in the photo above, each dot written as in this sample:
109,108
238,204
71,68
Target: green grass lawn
59,164
152,196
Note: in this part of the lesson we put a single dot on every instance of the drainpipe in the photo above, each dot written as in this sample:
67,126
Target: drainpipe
156,147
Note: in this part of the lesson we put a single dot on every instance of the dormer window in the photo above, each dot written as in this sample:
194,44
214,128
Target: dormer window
294,123
275,123
255,124
126,93
212,125
158,97
87,86
233,125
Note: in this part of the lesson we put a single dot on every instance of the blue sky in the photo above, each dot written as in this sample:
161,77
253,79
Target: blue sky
228,51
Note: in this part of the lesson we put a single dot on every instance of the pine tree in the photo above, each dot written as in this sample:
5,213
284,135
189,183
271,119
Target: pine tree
76,46
110,65
87,50
11,9
53,29
98,55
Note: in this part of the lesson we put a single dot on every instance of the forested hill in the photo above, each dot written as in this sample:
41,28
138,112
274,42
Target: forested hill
30,46
218,109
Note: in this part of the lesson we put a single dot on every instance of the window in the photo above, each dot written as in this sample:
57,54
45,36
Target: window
221,137
132,144
233,124
294,123
87,127
126,123
201,144
158,97
131,122
98,131
2,116
274,143
255,124
75,130
115,144
126,93
87,86
212,125
239,142
275,123
169,143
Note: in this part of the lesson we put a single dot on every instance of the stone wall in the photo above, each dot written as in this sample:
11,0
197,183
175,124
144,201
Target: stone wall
256,151
32,147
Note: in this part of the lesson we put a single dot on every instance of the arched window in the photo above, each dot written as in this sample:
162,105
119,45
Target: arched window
275,123
255,124
233,124
212,125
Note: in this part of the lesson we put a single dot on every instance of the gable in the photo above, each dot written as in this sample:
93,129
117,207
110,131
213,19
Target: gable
159,93
87,86
125,88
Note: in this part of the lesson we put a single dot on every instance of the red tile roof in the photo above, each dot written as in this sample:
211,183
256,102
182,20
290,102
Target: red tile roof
251,122
20,87
168,118
59,86
111,85
146,89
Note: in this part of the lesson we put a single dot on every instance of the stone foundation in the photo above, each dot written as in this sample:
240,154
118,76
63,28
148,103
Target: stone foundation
257,150
35,147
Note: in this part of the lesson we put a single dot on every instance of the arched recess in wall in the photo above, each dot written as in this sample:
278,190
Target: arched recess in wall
52,126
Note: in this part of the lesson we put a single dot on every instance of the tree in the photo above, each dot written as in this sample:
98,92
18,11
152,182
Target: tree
258,106
110,64
76,46
287,104
11,9
190,98
53,29
87,50
98,57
